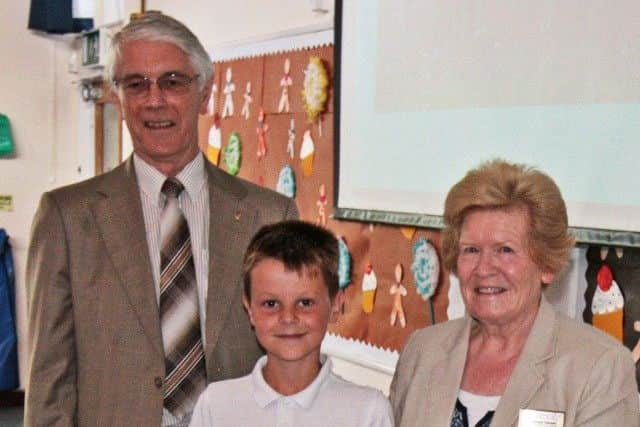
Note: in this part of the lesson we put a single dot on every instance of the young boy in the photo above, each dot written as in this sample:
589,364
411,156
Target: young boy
291,294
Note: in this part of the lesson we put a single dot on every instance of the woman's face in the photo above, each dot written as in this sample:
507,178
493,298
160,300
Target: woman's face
499,281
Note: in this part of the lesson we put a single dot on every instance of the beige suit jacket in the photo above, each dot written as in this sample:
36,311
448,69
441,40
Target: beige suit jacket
565,366
96,356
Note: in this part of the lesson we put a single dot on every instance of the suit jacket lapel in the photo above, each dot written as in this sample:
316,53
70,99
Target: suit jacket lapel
118,213
229,219
441,395
529,373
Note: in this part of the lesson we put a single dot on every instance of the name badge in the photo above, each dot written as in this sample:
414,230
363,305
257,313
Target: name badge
534,418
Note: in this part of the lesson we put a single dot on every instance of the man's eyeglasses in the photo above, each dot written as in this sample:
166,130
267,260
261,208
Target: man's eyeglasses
169,84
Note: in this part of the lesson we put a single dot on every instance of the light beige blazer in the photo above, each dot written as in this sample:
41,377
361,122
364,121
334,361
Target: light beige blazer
565,366
95,343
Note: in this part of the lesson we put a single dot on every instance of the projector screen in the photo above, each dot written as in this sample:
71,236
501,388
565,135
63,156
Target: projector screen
429,89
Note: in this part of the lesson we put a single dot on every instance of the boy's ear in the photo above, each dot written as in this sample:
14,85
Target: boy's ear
336,306
247,306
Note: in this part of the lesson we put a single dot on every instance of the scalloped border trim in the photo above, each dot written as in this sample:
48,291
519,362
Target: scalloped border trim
361,353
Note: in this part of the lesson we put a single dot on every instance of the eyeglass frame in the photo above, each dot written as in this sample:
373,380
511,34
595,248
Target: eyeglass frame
148,81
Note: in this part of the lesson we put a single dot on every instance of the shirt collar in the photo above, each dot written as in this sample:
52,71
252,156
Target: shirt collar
265,395
150,180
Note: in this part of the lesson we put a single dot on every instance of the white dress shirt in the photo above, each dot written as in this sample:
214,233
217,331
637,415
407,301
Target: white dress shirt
328,401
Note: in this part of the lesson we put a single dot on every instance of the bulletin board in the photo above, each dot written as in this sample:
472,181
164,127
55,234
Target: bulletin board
365,338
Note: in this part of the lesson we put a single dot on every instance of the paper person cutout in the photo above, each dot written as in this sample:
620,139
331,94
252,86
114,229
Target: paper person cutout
321,205
233,154
607,305
214,143
369,285
286,182
261,131
344,264
229,88
285,82
307,153
248,99
398,291
211,105
291,133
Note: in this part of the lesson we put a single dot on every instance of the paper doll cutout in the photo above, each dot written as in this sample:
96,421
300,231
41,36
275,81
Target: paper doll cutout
286,182
426,270
248,99
307,153
398,291
285,82
291,133
261,131
211,105
321,205
369,285
233,154
229,88
607,304
344,264
214,143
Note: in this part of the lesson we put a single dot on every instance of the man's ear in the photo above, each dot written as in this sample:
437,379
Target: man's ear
336,306
206,94
247,306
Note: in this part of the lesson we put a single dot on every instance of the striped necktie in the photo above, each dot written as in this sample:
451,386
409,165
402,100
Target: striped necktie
184,355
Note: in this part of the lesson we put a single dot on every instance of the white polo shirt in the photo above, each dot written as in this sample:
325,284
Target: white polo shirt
328,401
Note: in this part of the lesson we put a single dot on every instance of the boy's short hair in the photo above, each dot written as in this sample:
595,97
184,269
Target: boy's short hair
301,246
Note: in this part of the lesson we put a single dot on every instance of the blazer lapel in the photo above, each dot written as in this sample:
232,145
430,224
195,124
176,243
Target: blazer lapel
230,222
118,213
441,395
529,373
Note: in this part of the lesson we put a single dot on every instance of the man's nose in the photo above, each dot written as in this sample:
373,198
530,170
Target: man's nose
155,95
289,315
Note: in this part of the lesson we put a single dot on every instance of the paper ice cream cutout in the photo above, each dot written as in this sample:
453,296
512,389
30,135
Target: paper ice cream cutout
233,154
229,88
344,264
291,133
307,153
214,144
369,285
314,92
285,82
248,99
398,291
286,182
607,305
408,232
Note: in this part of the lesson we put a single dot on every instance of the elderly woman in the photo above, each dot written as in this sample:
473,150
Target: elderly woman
512,360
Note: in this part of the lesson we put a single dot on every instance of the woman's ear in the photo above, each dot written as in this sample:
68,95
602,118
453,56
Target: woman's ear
336,306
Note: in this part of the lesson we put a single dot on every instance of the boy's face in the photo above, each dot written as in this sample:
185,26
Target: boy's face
289,312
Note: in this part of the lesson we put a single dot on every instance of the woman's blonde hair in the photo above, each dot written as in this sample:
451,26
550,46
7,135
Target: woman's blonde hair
498,184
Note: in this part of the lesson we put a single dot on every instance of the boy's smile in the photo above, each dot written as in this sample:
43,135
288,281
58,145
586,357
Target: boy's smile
290,313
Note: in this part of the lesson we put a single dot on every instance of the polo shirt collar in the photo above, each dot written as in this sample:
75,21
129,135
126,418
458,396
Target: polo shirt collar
266,395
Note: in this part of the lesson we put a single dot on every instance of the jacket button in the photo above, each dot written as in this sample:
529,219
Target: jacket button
158,382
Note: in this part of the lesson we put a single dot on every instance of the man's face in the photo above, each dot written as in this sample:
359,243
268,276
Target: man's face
163,125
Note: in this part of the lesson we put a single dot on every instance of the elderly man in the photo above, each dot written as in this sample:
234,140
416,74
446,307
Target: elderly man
134,276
